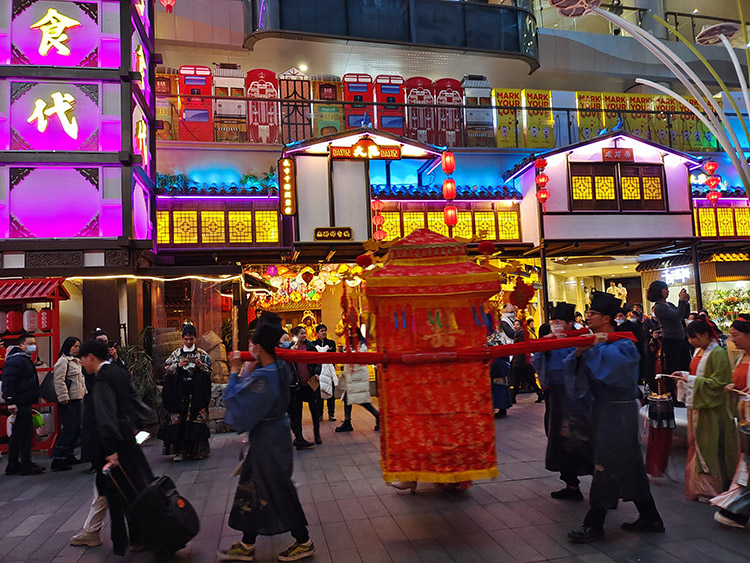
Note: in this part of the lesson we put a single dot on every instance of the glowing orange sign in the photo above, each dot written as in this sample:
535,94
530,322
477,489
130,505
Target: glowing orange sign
367,149
288,186
53,25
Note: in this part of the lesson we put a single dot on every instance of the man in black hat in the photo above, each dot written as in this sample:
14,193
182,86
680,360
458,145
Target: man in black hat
602,378
568,442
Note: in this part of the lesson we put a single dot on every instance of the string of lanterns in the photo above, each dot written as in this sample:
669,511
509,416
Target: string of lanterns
713,195
450,213
378,220
542,193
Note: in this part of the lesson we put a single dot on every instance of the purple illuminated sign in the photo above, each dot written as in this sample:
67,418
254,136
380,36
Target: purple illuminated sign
60,33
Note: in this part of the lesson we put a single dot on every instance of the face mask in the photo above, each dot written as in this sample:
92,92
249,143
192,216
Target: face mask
557,328
30,349
619,321
508,315
688,321
287,344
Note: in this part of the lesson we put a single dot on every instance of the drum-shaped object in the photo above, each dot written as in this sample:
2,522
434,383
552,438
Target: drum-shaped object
661,412
14,322
45,319
31,320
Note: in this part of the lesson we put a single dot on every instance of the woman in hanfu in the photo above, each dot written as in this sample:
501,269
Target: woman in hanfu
712,436
266,501
734,505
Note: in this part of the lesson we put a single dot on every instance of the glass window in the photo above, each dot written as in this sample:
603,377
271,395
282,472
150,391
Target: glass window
392,224
706,222
436,222
508,226
413,220
266,226
212,227
240,226
162,227
595,187
485,225
742,221
185,227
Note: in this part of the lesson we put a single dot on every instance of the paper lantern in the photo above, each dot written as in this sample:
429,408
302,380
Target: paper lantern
45,319
450,215
542,195
710,166
379,235
272,271
226,304
3,321
541,180
168,5
449,188
712,182
713,196
540,163
378,220
307,277
449,162
364,260
377,205
486,247
15,322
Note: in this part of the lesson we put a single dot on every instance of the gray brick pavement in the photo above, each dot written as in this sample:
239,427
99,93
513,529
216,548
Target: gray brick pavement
354,517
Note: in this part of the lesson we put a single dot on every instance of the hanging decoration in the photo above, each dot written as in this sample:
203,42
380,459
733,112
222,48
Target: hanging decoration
542,193
378,220
713,195
450,213
168,4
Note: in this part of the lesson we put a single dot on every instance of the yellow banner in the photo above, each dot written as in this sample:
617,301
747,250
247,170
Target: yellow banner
638,123
507,119
666,106
590,117
539,130
613,101
688,128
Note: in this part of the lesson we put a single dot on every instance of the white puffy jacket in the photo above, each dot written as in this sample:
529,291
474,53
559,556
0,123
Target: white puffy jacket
355,382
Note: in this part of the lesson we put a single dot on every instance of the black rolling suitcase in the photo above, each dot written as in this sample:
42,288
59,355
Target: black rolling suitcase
167,520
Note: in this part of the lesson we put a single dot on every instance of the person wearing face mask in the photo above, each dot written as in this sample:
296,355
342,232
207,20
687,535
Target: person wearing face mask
569,448
21,391
626,324
186,395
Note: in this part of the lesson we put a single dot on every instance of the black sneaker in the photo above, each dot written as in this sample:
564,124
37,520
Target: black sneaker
567,494
586,534
303,444
31,469
60,465
644,525
72,460
13,469
318,440
346,426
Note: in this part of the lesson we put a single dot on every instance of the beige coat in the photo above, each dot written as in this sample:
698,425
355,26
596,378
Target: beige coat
69,368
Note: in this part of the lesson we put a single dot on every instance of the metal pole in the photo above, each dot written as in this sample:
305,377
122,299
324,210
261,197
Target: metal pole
697,277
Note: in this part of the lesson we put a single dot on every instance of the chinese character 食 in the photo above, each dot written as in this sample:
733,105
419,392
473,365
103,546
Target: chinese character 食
53,25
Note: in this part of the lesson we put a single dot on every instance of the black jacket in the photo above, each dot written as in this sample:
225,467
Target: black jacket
20,380
114,418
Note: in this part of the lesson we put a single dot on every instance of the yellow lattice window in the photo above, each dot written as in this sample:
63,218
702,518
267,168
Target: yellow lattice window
392,225
742,221
652,187
162,227
185,227
212,227
266,226
605,187
484,224
582,187
436,222
413,220
240,226
725,219
631,187
507,222
463,226
707,222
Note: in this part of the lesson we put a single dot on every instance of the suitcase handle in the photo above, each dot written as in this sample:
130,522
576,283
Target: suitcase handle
108,473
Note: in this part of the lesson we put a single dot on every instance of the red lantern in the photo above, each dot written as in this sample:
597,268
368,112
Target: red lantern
226,304
541,180
378,220
486,247
168,5
307,277
364,260
542,195
449,188
710,166
713,196
540,163
31,320
15,322
449,162
379,235
450,214
377,205
45,319
712,182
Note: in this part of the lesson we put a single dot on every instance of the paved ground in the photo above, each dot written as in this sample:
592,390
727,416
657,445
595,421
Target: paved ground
356,518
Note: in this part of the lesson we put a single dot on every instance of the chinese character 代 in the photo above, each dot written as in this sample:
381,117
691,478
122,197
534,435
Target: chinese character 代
62,104
53,25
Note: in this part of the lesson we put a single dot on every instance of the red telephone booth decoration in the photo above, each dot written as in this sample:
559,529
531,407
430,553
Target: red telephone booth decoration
448,131
420,110
263,118
389,90
15,322
358,88
45,319
196,111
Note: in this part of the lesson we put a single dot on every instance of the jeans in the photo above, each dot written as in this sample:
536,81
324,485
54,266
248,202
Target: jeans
70,419
19,445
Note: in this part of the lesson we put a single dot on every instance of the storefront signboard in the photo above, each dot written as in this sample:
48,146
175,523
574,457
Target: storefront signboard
617,155
367,149
337,234
288,186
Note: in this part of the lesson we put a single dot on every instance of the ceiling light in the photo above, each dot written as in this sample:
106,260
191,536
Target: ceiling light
580,264
562,271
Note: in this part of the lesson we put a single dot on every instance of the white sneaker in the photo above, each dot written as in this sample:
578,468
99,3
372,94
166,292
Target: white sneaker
721,519
90,539
178,458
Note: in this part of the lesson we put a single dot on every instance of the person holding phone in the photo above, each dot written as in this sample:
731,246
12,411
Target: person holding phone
186,395
674,346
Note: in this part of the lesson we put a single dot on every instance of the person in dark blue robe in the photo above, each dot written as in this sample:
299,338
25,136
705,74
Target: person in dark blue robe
568,442
266,501
602,379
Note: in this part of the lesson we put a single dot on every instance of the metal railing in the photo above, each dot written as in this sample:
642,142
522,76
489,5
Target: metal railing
691,24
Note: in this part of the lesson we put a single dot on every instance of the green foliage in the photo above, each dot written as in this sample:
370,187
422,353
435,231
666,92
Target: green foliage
140,368
724,304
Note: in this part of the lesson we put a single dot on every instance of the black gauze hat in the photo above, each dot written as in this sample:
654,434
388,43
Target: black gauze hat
268,336
564,312
605,303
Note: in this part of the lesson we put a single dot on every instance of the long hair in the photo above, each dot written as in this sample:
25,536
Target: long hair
69,342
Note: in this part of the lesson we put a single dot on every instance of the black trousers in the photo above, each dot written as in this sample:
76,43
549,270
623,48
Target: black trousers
331,404
299,534
70,419
646,509
367,406
19,445
304,395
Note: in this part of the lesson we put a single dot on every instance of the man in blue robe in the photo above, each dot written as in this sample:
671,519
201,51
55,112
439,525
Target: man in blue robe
602,379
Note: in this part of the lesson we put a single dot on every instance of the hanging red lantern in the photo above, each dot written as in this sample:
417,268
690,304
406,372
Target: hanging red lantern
168,5
378,220
379,235
226,304
307,277
449,162
486,247
45,319
14,322
363,260
542,195
449,188
450,215
712,182
31,320
710,166
377,205
541,180
713,196
540,163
